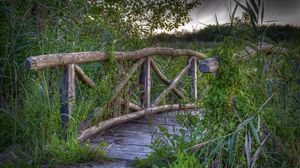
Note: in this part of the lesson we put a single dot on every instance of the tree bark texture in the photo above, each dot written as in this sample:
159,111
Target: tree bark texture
51,60
67,93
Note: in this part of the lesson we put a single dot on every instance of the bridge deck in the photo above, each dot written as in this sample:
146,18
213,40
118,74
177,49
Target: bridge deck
130,140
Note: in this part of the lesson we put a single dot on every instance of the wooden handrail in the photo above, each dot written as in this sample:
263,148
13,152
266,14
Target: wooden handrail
51,60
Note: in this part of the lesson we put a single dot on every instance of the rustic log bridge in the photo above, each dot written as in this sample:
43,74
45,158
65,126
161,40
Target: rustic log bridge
143,57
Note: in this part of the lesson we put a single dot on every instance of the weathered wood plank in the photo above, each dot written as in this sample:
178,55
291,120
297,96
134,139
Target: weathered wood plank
173,84
126,152
51,60
145,82
209,65
67,93
132,139
132,128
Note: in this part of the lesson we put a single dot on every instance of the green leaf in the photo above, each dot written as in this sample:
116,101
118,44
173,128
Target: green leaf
244,123
254,132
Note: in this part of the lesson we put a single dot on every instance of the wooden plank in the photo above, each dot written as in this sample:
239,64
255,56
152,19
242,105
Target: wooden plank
133,128
52,60
132,139
126,152
173,84
67,93
154,120
125,137
145,82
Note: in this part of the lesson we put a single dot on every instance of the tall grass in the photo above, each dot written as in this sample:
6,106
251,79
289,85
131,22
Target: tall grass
29,110
251,114
30,100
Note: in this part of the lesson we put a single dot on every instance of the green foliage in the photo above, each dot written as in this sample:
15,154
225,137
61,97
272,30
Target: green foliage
67,152
250,108
146,16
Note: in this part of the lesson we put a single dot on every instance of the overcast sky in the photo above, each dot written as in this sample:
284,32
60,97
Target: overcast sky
284,11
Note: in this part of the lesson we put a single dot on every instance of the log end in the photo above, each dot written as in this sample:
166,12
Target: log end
30,63
209,65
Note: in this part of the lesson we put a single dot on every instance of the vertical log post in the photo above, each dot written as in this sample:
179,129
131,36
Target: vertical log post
193,72
67,94
145,81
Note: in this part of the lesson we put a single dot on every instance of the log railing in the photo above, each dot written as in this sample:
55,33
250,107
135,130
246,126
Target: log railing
144,59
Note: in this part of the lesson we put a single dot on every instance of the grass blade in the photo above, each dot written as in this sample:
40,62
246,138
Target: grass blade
248,148
257,152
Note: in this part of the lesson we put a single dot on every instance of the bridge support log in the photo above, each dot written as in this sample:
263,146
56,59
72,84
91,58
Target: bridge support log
126,79
87,133
67,94
173,84
145,82
165,79
88,122
193,72
83,77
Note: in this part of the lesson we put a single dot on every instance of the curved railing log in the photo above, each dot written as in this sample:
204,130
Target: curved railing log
51,60
143,57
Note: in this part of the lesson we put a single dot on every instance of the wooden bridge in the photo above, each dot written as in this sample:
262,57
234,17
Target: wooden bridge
128,135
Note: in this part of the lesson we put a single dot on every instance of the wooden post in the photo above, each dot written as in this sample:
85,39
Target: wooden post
67,94
193,72
145,81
